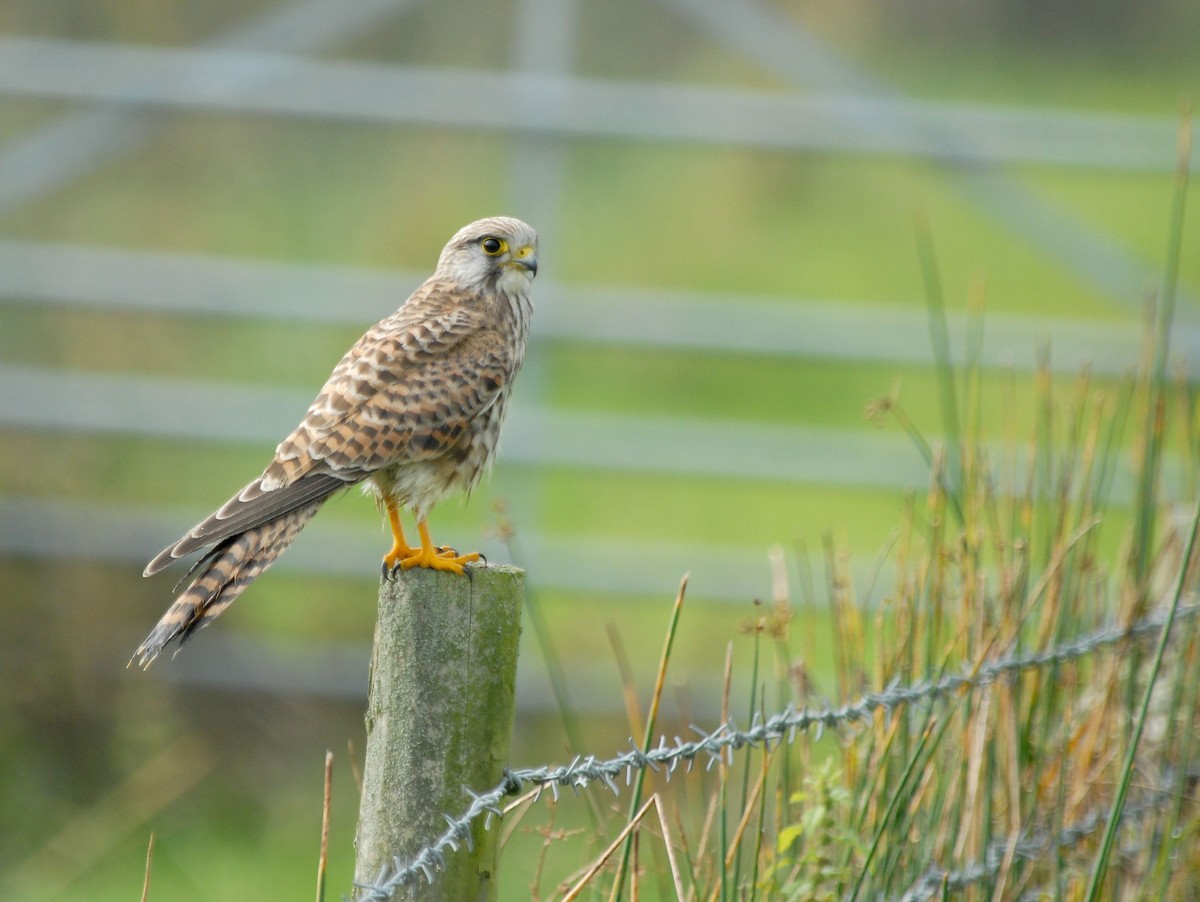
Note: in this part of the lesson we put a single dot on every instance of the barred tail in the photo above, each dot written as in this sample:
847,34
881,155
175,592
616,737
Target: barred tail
223,574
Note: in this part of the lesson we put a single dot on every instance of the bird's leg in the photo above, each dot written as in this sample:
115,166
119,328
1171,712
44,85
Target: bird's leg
435,558
400,547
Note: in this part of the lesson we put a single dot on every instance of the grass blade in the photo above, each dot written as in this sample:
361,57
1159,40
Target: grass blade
944,363
651,719
1114,817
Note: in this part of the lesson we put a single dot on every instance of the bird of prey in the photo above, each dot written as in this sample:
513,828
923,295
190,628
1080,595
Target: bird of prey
413,411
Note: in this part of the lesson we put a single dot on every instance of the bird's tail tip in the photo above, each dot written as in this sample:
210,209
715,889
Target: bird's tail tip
219,578
152,646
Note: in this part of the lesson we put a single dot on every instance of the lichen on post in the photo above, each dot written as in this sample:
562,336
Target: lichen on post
439,720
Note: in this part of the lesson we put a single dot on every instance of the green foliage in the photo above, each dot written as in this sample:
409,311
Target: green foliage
810,854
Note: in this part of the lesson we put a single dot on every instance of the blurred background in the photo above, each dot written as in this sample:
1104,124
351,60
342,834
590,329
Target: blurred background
203,204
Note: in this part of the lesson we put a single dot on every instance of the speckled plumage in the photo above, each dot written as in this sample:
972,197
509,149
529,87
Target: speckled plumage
413,410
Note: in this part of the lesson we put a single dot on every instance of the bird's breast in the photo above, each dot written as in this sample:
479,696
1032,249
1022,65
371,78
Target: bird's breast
421,482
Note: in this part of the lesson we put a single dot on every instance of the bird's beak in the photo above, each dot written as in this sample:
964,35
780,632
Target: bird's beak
526,259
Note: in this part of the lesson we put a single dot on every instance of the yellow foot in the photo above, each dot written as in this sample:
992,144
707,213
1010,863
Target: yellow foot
438,559
434,557
392,559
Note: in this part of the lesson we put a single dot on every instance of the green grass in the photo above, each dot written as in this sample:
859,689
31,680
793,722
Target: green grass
986,571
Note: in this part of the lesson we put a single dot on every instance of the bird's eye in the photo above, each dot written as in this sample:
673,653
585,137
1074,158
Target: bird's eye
492,246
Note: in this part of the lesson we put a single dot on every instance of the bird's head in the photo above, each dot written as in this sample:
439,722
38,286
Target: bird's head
497,254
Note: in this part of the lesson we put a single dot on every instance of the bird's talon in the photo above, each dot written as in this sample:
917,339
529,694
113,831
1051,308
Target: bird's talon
435,559
427,555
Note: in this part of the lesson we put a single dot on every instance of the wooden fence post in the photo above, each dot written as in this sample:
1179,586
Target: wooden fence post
439,718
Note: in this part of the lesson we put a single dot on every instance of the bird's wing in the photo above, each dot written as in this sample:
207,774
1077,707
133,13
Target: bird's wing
406,413
403,393
236,517
406,391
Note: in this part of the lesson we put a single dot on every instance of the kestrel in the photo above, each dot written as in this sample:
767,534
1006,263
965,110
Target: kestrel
413,411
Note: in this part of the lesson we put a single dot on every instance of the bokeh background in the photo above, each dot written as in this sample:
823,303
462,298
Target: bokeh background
202,204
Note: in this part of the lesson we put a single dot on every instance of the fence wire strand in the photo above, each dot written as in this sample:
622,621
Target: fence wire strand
781,727
1031,846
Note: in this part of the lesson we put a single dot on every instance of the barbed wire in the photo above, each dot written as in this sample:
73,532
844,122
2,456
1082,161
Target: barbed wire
1030,847
727,738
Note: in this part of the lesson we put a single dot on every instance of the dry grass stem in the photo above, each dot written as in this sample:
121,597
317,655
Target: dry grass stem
599,863
669,843
149,868
633,711
323,858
